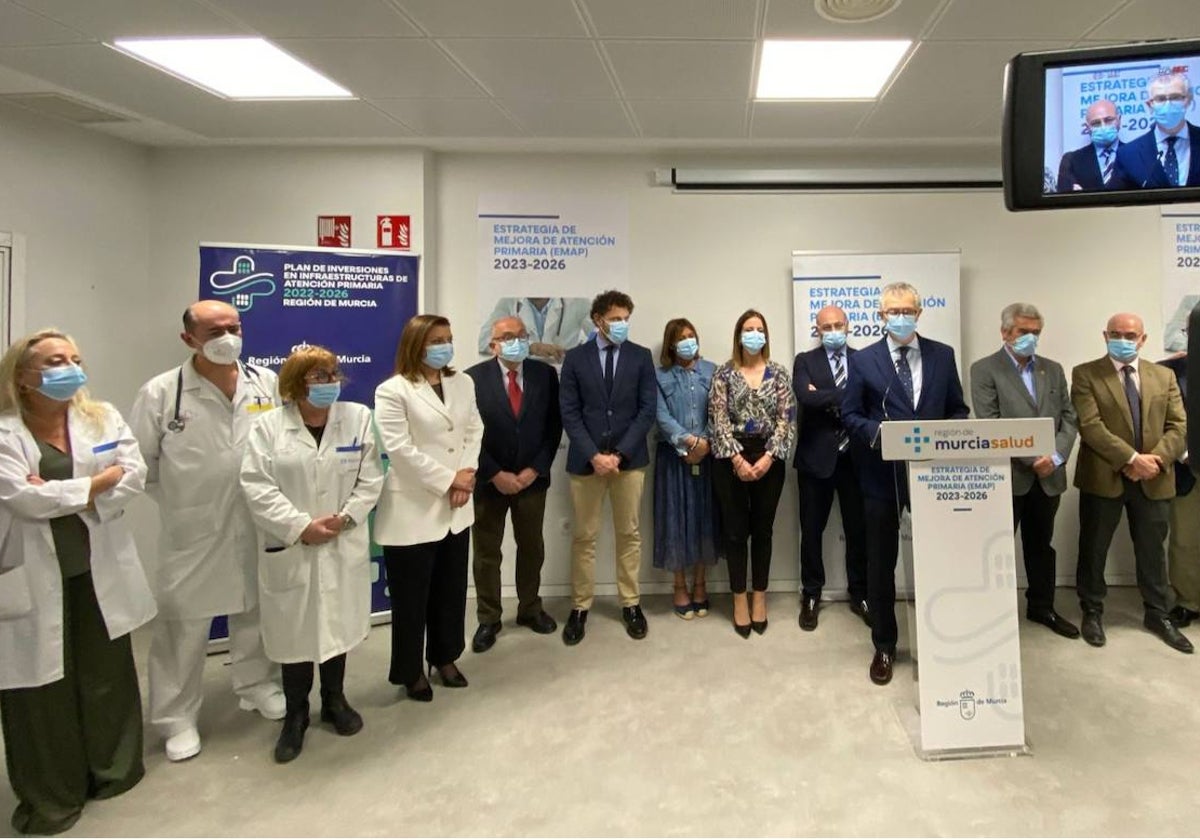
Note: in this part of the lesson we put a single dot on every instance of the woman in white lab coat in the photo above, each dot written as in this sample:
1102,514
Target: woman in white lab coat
431,430
311,475
71,588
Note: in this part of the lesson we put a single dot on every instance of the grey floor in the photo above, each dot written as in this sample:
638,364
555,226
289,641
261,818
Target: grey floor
692,731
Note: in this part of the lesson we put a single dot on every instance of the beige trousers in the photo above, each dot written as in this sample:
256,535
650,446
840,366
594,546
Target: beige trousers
624,490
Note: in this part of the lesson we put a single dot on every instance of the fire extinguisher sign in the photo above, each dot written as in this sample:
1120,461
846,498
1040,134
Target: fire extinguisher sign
393,232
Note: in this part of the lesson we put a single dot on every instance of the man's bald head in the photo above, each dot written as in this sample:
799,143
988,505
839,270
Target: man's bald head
1126,322
831,318
1102,112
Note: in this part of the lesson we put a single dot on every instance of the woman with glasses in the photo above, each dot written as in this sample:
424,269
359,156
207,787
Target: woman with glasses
431,430
753,412
311,475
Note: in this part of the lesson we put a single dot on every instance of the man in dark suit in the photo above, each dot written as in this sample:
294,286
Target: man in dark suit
1015,382
823,466
902,376
518,401
1091,167
609,397
1183,544
1133,429
1166,155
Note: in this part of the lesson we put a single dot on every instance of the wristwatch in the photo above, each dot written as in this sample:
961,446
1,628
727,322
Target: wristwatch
347,521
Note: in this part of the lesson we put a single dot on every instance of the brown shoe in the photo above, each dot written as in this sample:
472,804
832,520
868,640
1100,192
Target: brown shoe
881,667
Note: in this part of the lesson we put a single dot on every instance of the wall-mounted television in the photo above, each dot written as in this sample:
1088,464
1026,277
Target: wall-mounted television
1103,126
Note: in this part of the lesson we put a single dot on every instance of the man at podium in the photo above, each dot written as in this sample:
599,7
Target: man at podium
903,376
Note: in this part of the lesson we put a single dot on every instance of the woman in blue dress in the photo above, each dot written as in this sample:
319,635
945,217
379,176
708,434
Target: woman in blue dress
686,522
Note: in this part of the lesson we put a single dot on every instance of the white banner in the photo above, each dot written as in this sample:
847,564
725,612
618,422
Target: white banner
1180,226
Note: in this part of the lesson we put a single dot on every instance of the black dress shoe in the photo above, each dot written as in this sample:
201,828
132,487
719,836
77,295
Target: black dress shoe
759,627
1181,616
420,691
485,637
540,623
291,737
860,609
1055,622
1164,628
1092,629
335,710
635,621
881,667
575,627
450,675
742,630
808,613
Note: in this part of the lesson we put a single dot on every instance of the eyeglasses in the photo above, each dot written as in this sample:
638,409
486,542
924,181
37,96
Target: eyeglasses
1163,98
323,376
1128,336
892,313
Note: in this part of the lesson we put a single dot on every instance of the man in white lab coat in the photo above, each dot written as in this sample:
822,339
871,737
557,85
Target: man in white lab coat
192,423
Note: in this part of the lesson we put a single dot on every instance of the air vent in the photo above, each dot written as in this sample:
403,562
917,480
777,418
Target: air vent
854,11
62,107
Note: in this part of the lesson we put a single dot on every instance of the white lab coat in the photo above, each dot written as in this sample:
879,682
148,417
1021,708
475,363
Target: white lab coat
208,547
31,596
427,442
315,601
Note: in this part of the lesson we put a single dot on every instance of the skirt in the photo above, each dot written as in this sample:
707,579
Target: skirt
687,524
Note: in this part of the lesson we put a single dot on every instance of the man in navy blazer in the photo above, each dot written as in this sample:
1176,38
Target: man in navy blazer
824,468
517,398
1183,542
902,376
609,396
1084,168
1166,155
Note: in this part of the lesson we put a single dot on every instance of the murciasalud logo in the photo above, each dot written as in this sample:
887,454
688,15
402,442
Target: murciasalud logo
916,440
242,284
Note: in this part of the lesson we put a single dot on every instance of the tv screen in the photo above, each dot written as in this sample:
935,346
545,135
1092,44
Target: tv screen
1103,126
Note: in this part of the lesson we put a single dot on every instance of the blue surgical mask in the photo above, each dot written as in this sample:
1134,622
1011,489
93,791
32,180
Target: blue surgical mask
61,383
1024,345
753,340
618,331
324,394
437,356
833,340
901,326
687,349
1104,135
515,350
1122,349
1168,114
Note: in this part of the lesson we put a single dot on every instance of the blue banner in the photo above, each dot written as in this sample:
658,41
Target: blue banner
353,302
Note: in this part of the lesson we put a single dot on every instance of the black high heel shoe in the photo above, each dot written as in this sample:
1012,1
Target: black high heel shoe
415,692
743,630
759,627
457,680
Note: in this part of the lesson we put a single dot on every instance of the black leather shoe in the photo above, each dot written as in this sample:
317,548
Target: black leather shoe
450,675
1092,629
808,613
759,627
335,710
742,630
1181,616
485,637
1164,628
860,609
1055,622
540,623
420,691
881,667
291,737
575,627
635,622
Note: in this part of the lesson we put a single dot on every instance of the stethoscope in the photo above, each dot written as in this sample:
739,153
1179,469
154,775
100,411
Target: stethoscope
178,423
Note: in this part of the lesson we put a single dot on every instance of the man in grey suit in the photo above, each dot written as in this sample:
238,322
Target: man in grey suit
1015,382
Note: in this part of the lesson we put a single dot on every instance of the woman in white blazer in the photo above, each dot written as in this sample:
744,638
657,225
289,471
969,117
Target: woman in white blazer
71,591
311,475
431,431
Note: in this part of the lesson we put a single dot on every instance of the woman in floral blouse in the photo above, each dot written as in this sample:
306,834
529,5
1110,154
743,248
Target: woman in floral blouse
753,413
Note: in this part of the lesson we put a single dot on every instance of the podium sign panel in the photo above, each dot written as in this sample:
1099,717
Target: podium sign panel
959,478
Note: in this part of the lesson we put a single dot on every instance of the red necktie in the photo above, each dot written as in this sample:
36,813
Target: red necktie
514,393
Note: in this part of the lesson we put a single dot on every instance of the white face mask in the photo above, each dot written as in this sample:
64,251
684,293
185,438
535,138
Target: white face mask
223,350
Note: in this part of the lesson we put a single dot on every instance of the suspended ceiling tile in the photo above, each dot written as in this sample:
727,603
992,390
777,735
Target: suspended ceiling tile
806,120
451,117
108,19
691,118
1021,19
506,19
570,117
526,68
320,18
799,19
734,19
683,69
384,67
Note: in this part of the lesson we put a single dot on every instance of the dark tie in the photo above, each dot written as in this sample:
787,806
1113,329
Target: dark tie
1106,164
905,373
609,367
1171,163
1135,406
514,393
839,379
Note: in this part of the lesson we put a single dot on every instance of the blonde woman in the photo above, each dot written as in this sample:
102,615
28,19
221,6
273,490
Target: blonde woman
71,588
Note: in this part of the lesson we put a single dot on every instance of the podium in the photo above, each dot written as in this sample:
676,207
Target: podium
966,648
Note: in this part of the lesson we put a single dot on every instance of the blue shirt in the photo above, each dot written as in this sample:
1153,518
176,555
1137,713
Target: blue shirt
683,402
601,343
1026,373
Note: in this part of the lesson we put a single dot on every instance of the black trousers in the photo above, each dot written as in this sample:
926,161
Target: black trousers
298,680
883,545
427,584
1033,514
528,514
748,513
1148,523
816,501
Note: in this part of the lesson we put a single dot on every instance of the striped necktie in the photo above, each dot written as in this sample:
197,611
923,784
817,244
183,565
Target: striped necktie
839,379
1106,164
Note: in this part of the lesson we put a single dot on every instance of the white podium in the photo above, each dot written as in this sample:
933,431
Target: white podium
968,671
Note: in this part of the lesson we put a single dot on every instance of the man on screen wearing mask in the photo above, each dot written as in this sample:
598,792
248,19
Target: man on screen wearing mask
1165,156
1132,429
192,423
608,394
1016,382
1091,167
517,398
903,376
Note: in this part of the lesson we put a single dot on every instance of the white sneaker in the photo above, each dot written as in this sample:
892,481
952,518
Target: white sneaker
268,702
183,745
